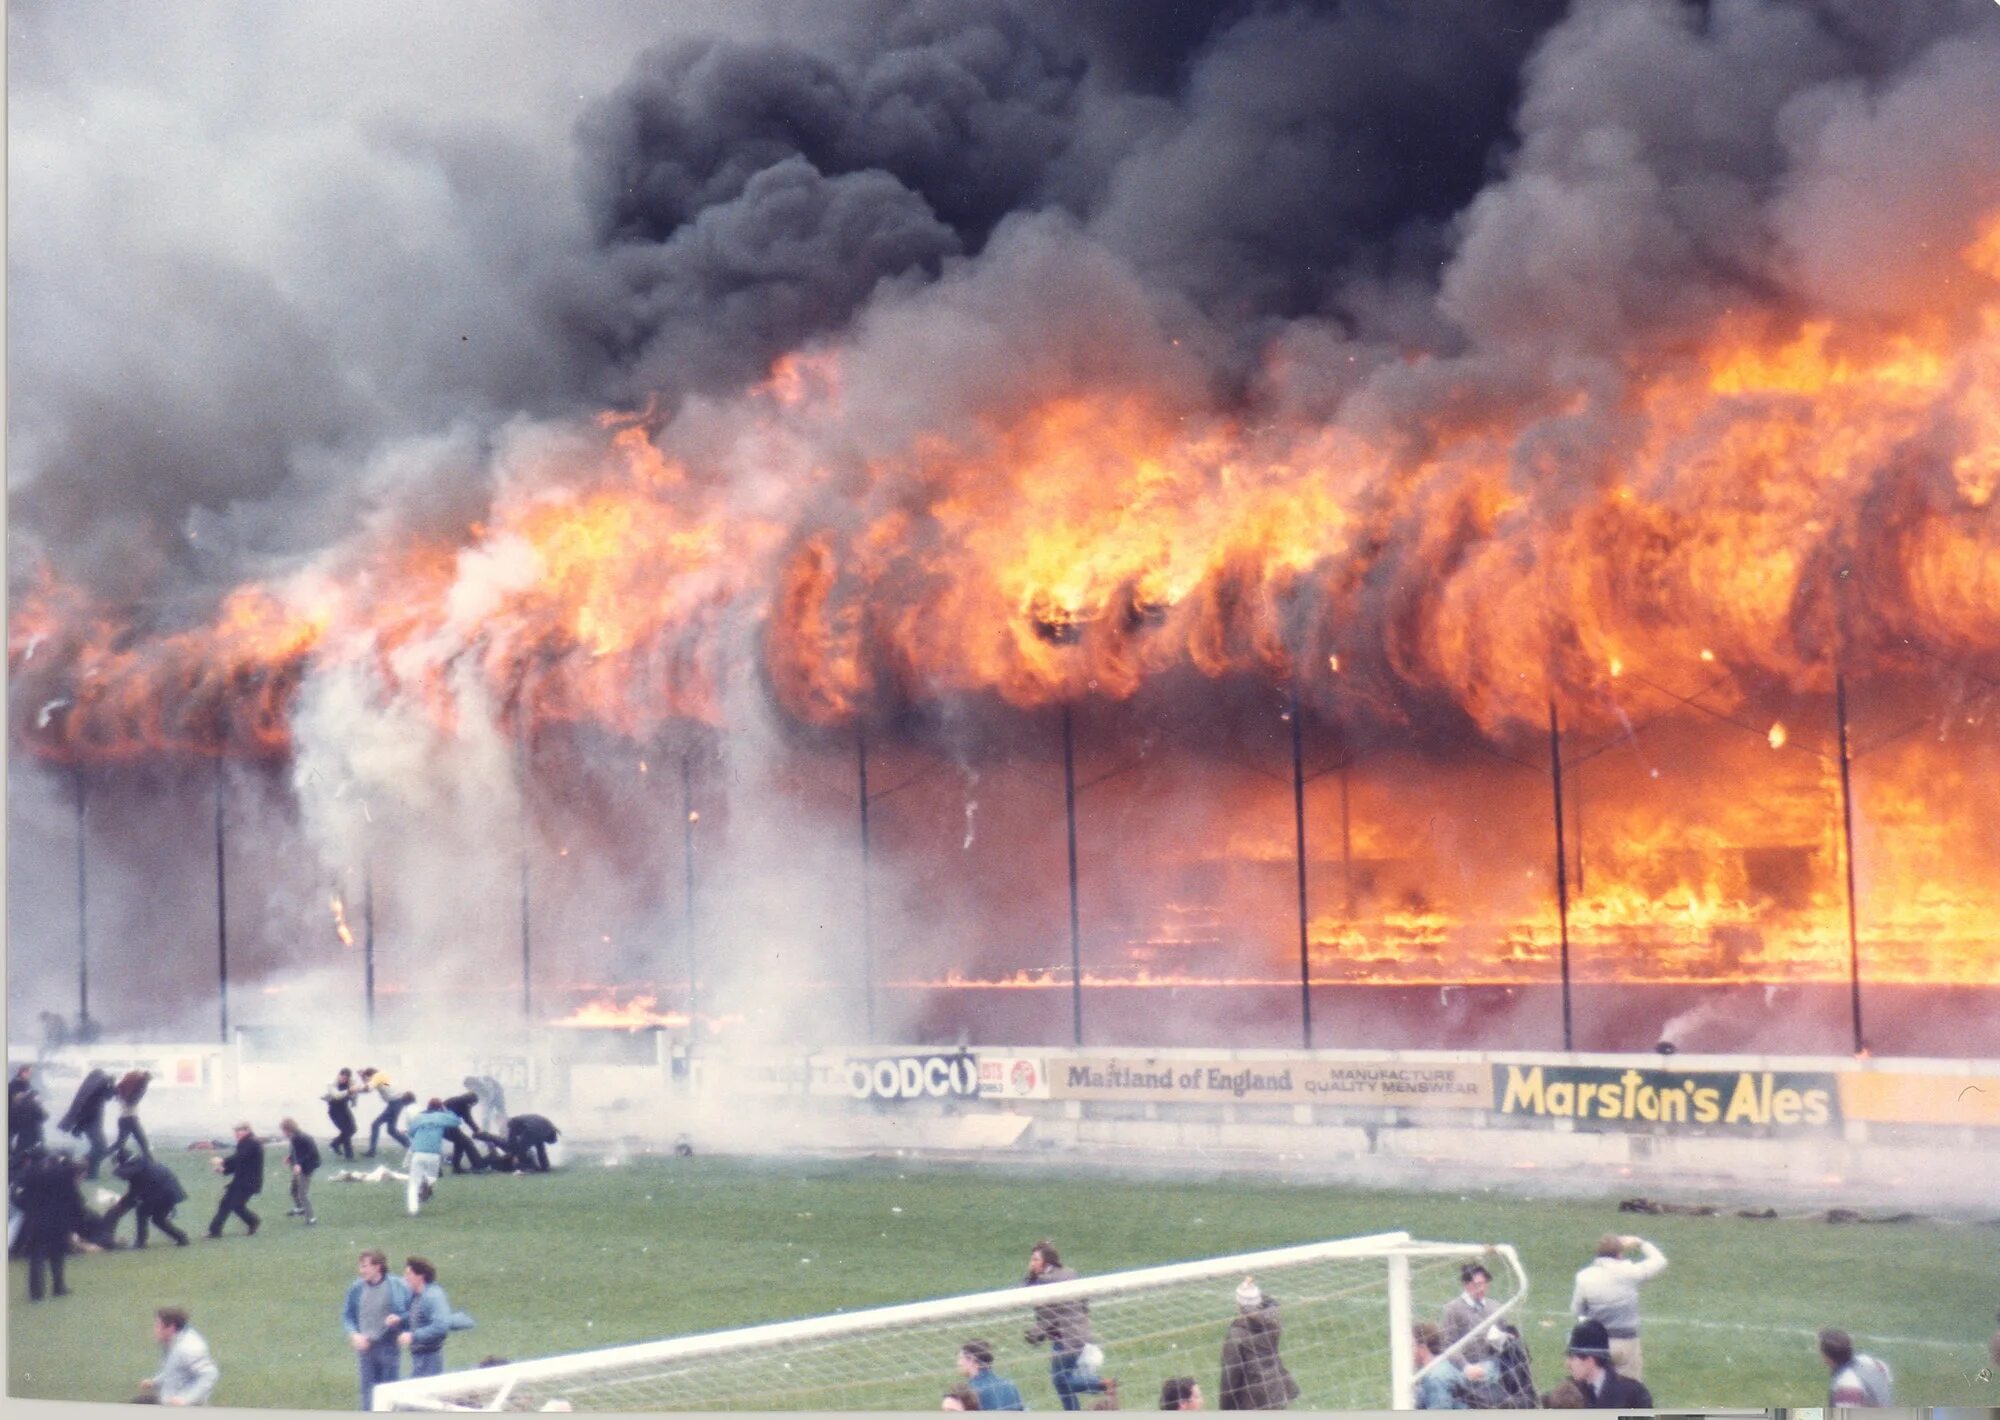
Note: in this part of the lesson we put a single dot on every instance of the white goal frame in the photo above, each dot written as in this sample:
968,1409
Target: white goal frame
490,1388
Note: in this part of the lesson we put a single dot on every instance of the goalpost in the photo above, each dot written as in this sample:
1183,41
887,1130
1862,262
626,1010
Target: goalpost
1346,1309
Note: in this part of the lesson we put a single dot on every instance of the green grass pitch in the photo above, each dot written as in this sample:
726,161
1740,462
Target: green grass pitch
593,1256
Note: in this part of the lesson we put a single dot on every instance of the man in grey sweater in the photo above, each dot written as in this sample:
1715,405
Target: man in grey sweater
374,1316
187,1372
1607,1292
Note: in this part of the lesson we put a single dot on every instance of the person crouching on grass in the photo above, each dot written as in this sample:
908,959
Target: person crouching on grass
426,1161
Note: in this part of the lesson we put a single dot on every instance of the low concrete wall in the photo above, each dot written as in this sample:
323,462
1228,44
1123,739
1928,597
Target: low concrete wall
1908,1139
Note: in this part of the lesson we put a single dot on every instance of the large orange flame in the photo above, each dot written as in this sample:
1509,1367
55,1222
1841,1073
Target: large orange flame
1785,501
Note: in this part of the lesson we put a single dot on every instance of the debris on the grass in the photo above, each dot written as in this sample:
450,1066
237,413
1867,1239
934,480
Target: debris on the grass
105,1198
1710,1210
1649,1205
381,1173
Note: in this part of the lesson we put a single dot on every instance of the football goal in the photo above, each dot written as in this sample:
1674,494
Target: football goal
1345,1309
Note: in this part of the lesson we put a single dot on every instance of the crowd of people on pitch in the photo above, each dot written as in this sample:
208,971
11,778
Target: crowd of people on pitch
383,1316
1606,1364
465,1121
1471,1358
49,1218
1252,1373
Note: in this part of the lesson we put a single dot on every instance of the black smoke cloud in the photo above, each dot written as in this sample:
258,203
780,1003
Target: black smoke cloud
237,290
1305,139
750,194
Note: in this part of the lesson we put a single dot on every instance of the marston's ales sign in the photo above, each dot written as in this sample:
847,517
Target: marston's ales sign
1301,1079
1680,1099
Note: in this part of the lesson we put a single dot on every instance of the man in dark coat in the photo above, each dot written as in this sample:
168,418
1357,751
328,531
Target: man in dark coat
152,1192
51,1209
303,1161
1590,1367
462,1152
245,1169
528,1140
1066,1327
340,1109
25,1117
1253,1375
85,1117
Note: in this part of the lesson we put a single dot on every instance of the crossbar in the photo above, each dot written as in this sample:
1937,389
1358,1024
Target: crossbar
498,1382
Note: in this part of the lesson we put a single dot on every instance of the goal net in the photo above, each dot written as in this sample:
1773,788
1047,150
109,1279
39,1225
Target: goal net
1345,1310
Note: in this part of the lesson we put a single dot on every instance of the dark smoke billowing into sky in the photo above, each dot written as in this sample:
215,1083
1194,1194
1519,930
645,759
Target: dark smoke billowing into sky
296,290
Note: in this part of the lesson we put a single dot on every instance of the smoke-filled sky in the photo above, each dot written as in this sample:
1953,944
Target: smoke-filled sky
326,302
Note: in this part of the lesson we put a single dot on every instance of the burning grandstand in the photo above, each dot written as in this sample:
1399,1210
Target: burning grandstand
1559,607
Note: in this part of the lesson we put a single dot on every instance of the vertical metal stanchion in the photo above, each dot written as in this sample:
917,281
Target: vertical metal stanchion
1299,834
1847,844
1075,929
1562,868
221,906
867,903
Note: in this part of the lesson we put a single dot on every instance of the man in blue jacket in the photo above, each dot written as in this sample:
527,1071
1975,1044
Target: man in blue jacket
431,1319
374,1316
426,1159
995,1392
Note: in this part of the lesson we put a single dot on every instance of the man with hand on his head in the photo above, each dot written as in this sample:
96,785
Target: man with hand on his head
1607,1291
